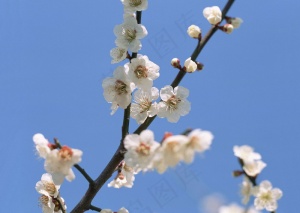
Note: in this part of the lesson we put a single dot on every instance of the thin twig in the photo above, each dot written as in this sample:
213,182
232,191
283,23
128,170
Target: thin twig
94,208
84,173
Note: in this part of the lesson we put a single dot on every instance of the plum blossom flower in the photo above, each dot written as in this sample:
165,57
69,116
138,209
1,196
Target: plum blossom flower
175,62
46,186
170,153
142,72
47,204
140,150
42,145
246,190
125,177
144,106
50,200
121,210
235,22
59,163
118,54
190,66
129,33
246,153
213,14
253,168
251,160
174,103
194,31
266,196
135,5
198,141
228,28
117,89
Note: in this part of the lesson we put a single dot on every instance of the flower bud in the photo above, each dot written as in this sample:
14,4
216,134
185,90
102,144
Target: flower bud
189,65
194,31
235,22
200,66
175,62
228,28
213,14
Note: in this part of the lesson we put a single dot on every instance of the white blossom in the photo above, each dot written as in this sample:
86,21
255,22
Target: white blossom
47,204
118,54
213,14
117,89
142,71
52,205
228,28
135,5
253,168
194,31
41,145
246,190
198,141
174,103
125,177
170,152
246,153
175,62
266,196
140,150
190,65
144,105
236,22
129,33
59,163
46,186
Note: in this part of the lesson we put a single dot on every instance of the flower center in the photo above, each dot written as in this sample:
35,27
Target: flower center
193,142
57,205
145,105
266,197
65,153
143,149
141,71
130,34
173,102
120,87
49,187
135,3
44,200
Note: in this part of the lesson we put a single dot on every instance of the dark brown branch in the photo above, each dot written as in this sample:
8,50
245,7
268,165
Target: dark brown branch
84,173
94,208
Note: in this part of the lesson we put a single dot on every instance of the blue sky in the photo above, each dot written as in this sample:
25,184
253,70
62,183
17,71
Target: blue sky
55,54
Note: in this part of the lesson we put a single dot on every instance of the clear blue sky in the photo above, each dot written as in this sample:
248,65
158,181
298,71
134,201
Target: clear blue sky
55,54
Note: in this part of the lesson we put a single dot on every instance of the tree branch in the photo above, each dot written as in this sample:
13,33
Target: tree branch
84,203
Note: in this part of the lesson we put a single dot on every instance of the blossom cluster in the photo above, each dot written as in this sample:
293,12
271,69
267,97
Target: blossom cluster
50,200
265,195
139,74
145,154
58,163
